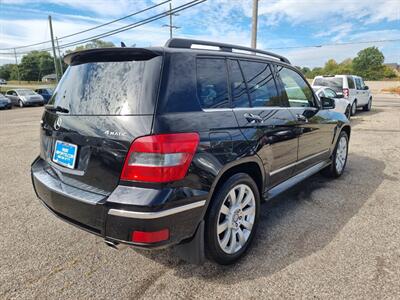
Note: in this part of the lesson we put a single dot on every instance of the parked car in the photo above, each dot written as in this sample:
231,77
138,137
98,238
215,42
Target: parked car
3,81
46,93
350,86
24,97
186,148
5,102
342,105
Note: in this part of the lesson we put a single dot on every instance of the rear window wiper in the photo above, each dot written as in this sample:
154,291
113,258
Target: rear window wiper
56,108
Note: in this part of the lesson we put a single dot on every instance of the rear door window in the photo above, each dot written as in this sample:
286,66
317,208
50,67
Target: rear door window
212,82
260,84
239,93
108,88
358,83
350,81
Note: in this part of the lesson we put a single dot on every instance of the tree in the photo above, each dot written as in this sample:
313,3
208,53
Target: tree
330,67
6,71
93,44
35,65
369,64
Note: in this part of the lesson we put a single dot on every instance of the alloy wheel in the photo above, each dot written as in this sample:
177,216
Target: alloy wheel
236,218
341,154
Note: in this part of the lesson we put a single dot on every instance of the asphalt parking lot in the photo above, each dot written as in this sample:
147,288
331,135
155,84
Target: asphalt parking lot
322,239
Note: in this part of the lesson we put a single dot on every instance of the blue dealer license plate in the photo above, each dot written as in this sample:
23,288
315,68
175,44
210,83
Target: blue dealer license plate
65,154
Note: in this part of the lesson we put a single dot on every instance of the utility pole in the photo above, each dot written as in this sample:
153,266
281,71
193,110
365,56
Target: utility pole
59,58
171,26
54,48
254,24
16,64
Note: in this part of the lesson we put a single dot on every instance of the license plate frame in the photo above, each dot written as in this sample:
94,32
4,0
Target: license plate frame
65,154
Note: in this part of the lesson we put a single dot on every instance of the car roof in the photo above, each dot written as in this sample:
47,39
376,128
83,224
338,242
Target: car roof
172,46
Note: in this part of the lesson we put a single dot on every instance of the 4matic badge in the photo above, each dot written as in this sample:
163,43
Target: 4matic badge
115,133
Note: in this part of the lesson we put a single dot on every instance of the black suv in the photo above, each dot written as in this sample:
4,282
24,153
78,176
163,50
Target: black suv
178,145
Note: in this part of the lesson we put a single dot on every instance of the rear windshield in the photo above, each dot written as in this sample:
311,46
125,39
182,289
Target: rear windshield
109,88
335,83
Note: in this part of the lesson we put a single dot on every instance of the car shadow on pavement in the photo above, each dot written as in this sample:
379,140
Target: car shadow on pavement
294,225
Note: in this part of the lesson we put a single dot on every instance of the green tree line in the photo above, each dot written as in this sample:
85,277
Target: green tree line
368,64
36,64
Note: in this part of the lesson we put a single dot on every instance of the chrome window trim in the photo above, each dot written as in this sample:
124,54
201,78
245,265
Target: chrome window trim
155,215
297,162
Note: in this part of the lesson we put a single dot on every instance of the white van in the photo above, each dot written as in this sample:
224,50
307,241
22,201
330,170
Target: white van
349,87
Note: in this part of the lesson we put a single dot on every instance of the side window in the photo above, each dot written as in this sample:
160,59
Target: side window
299,94
350,81
240,97
260,83
212,88
362,83
358,83
330,93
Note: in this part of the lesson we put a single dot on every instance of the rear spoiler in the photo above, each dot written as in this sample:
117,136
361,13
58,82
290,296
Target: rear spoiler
109,55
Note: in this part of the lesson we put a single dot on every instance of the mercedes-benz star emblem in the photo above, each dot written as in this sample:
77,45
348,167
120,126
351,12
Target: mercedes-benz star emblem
57,124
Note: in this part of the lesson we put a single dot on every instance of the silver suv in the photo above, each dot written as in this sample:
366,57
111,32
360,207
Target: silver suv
350,86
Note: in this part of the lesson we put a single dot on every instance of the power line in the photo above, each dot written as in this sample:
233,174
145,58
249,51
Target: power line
123,28
90,29
335,44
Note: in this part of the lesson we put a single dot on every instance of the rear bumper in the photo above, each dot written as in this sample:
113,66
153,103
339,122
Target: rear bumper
112,217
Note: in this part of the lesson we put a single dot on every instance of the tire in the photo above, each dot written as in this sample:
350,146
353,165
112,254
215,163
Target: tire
348,112
367,107
354,108
20,103
231,220
339,157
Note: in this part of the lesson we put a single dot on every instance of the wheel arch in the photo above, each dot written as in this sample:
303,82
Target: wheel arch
250,165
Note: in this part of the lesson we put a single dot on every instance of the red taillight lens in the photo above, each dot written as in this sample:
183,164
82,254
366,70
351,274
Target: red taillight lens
160,158
346,93
149,237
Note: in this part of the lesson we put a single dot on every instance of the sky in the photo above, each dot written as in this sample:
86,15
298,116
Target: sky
288,27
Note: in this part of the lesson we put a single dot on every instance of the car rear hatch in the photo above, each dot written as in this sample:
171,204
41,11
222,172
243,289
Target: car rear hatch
105,99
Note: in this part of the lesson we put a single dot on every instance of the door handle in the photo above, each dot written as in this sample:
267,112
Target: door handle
253,118
301,118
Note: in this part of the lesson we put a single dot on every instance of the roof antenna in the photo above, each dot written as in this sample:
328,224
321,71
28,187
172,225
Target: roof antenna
123,45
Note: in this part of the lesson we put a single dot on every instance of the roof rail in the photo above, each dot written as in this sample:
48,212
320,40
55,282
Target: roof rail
187,44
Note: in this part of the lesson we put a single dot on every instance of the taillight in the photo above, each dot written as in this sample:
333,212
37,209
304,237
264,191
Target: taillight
346,93
160,158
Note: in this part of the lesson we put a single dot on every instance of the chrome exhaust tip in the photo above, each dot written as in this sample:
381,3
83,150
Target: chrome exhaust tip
115,245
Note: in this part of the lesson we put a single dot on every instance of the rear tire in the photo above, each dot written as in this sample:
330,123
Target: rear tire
354,108
348,112
339,157
232,219
367,107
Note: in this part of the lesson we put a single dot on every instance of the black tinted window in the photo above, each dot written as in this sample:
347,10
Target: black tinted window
298,92
212,88
240,97
108,88
350,81
260,84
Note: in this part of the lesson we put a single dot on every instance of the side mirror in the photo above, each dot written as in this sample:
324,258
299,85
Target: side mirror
366,87
327,103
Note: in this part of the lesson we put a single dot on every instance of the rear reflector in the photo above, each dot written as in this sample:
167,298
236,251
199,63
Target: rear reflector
160,158
149,237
